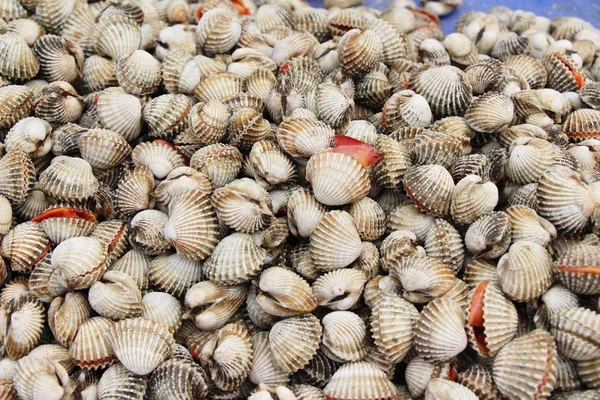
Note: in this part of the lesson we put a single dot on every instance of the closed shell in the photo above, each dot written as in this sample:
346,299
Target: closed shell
472,198
19,62
368,381
69,179
536,352
138,73
490,113
141,345
392,324
430,187
294,341
422,278
90,348
235,259
103,148
525,272
116,36
335,243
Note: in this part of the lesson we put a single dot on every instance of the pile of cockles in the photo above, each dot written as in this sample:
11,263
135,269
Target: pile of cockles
227,200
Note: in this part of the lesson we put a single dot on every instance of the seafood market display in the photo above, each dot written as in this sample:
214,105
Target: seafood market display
231,200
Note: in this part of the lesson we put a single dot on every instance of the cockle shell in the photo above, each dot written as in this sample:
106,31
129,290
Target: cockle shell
147,232
335,186
564,199
220,162
582,124
24,246
269,164
283,293
80,261
334,105
472,198
69,179
19,61
37,377
116,296
60,59
446,89
188,216
228,356
392,324
141,345
372,383
528,159
22,322
347,325
430,187
118,382
443,242
563,73
526,224
490,113
304,213
119,112
243,205
437,333
218,31
406,108
116,36
422,278
17,176
134,191
294,341
159,156
162,308
574,331
303,137
359,51
217,303
98,73
335,242
577,269
138,73
438,388
339,289
103,148
532,264
32,135
537,351
17,103
90,348
391,167
491,319
234,260
489,236
66,315
167,115
173,273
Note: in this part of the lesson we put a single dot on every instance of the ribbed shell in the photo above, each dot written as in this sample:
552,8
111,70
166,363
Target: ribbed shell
526,224
304,213
391,167
575,332
563,73
392,322
243,205
119,383
19,61
37,377
218,31
17,176
335,243
344,336
163,308
439,331
435,148
577,268
564,199
167,115
246,127
490,113
174,274
333,185
443,242
235,259
284,293
133,192
406,108
116,36
359,380
339,289
430,187
359,51
103,148
159,156
90,348
294,341
16,103
80,260
582,124
269,164
446,89
208,122
303,137
489,236
525,272
119,112
500,320
60,59
69,179
116,296
66,315
472,199
335,106
141,345
220,162
98,73
192,227
178,379
369,218
24,246
21,335
422,278
536,355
